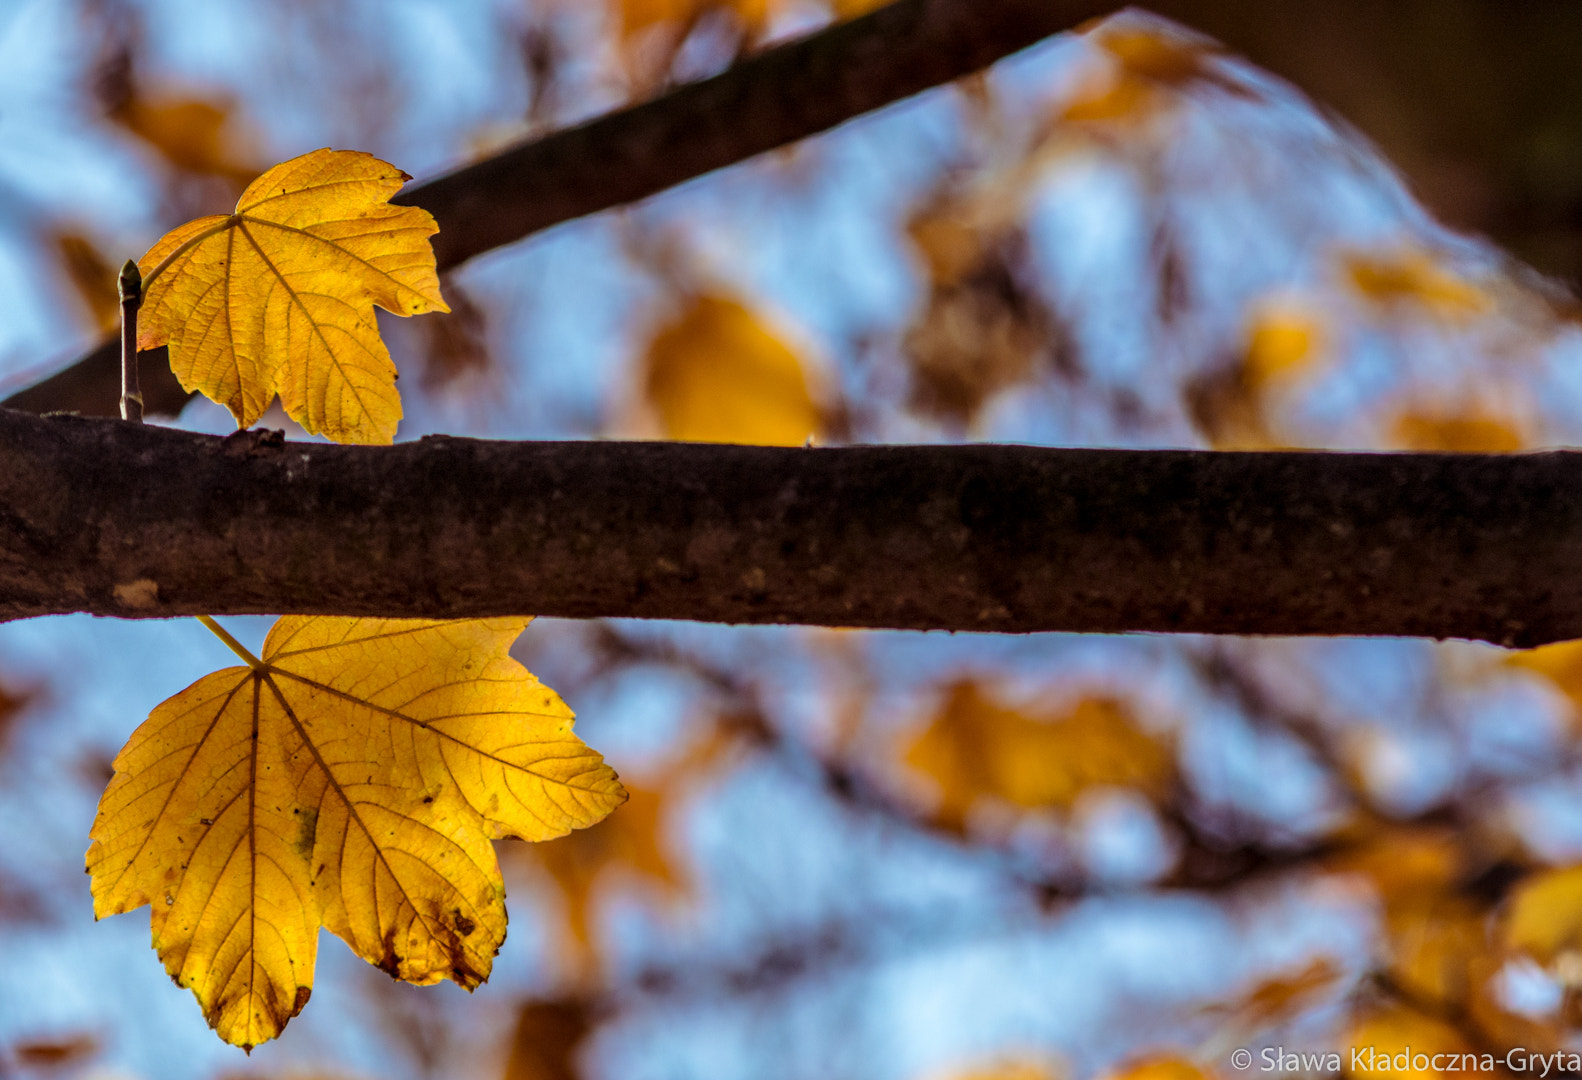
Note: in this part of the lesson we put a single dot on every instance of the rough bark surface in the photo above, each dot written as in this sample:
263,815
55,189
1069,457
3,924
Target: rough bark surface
767,101
117,519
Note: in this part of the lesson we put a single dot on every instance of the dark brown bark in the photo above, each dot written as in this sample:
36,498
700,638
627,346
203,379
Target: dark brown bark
767,101
117,519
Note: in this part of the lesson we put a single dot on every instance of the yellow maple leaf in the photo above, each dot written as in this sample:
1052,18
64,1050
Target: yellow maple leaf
278,297
352,776
718,374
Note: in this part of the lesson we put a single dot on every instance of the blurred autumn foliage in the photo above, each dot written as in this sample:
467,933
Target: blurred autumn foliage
1255,226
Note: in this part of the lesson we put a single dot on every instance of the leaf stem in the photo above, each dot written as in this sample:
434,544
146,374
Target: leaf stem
131,291
235,646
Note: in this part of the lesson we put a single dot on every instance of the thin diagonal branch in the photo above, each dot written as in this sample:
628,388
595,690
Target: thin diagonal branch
770,100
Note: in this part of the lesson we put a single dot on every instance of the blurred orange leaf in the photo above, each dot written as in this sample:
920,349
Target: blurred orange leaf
1411,279
190,133
457,342
716,373
850,9
632,840
1544,919
1008,1069
948,238
1470,433
353,777
1560,662
92,276
1276,1000
1159,1068
1433,945
1401,1042
975,749
639,15
984,328
1147,65
1404,864
56,1053
1230,405
279,296
1282,340
545,1043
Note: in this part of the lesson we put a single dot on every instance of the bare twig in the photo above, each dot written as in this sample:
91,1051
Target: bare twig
130,286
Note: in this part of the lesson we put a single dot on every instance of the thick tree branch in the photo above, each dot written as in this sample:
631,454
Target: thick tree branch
117,519
767,101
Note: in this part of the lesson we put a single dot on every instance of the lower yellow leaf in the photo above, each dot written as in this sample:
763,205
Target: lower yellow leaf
352,778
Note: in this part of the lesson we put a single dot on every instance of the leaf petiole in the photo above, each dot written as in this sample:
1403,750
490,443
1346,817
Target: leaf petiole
235,646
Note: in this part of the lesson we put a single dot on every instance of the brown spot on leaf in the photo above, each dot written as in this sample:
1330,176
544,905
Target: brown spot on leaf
307,831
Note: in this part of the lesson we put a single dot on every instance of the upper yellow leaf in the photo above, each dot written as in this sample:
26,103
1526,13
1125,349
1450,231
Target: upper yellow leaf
279,296
351,777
